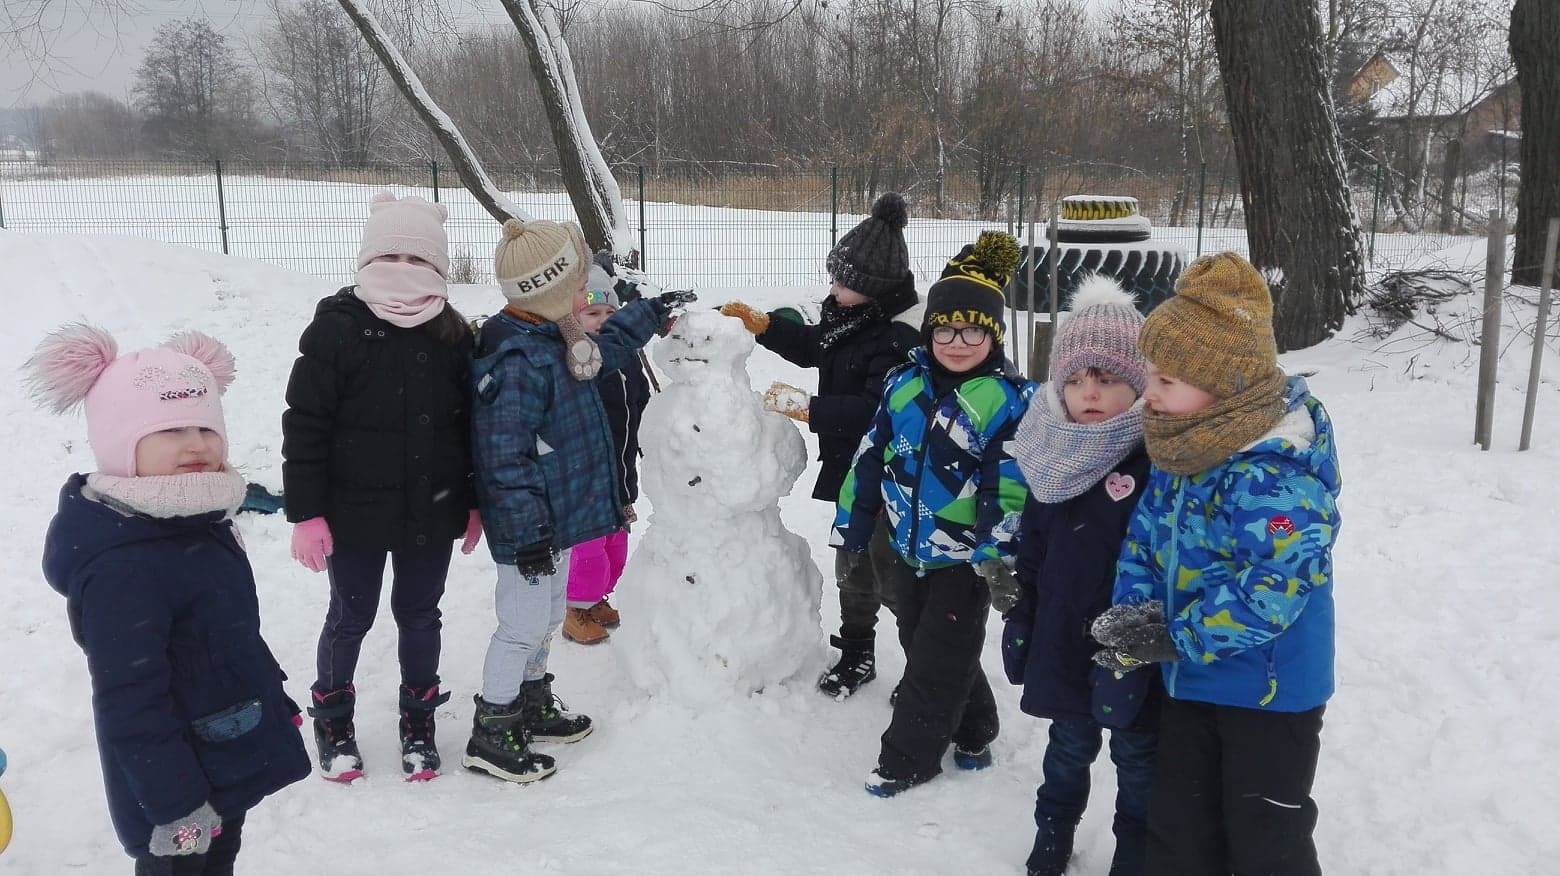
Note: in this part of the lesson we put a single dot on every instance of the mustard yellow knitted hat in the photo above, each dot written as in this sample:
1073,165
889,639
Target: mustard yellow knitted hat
541,265
1216,332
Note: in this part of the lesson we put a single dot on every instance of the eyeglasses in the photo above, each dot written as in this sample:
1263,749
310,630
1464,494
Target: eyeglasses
971,335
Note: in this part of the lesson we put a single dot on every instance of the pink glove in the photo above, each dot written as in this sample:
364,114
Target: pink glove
473,533
311,543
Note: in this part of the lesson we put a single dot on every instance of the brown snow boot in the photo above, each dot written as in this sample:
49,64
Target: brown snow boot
579,626
606,615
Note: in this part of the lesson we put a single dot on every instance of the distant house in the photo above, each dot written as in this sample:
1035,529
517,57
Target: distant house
1448,115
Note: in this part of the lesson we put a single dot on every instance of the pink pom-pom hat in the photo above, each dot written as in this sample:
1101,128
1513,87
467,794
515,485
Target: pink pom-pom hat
130,396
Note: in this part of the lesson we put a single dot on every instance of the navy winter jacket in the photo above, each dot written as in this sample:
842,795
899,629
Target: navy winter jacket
1066,570
187,700
624,394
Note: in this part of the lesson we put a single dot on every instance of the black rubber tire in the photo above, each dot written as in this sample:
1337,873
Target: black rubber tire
1150,274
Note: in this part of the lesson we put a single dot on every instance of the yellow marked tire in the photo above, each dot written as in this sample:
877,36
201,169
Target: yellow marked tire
5,822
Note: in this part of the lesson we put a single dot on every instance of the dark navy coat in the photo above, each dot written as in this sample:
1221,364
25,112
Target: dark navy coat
1066,570
624,394
187,700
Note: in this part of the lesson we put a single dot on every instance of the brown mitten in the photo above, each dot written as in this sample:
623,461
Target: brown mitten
584,357
793,402
756,322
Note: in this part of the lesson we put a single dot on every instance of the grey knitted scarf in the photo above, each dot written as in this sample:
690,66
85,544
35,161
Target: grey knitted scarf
1061,459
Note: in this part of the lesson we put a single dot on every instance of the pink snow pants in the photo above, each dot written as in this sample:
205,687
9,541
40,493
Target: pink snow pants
595,567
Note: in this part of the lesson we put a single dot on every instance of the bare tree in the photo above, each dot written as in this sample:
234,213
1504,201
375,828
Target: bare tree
327,83
1299,218
197,98
89,124
1534,24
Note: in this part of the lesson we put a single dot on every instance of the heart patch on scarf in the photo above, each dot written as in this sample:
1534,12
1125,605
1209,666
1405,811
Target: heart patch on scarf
1119,486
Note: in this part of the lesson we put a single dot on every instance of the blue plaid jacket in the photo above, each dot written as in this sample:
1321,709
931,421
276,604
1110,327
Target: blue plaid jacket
541,444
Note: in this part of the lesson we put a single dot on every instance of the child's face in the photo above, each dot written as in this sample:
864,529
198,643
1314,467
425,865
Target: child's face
955,353
846,296
1172,397
405,259
592,317
1094,396
179,451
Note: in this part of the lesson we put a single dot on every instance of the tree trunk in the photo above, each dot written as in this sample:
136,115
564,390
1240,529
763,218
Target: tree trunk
1534,24
1299,218
467,167
586,191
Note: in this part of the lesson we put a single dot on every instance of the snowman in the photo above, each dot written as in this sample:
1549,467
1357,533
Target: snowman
724,597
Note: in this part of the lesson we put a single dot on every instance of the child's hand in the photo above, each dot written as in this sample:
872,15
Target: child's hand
791,401
756,322
311,543
677,298
1004,587
1113,627
473,533
190,835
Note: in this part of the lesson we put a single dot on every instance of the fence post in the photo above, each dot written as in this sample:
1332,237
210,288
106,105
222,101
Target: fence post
1540,328
1375,212
1489,335
1202,199
1018,336
434,165
641,168
221,208
834,205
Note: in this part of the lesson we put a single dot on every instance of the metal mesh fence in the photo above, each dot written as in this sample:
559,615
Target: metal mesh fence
696,224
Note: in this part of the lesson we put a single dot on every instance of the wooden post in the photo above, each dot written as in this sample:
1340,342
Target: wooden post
1040,356
1489,335
1540,328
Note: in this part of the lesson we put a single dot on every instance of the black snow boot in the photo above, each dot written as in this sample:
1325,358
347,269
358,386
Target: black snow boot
334,736
500,746
419,754
856,667
1053,848
547,719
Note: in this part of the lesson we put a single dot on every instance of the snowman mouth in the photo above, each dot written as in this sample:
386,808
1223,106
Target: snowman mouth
681,360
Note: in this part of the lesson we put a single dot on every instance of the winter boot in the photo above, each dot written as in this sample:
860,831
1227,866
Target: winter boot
334,735
500,746
546,718
419,755
1053,848
605,614
579,625
972,758
856,667
880,785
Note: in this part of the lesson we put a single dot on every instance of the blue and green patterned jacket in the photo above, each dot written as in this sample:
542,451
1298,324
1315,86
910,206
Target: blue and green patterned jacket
940,467
1242,557
541,443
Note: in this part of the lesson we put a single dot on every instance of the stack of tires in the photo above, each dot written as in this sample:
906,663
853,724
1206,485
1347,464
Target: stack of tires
1101,234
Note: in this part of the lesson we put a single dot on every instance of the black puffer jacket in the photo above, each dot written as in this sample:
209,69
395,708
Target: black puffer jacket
850,382
377,433
624,394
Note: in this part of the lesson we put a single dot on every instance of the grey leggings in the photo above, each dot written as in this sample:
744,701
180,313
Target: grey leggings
529,613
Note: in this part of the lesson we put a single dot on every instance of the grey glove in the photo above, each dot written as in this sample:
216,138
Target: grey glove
190,835
1116,624
1004,586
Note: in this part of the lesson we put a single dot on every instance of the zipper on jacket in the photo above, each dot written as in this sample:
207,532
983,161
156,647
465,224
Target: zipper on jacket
1173,570
1272,676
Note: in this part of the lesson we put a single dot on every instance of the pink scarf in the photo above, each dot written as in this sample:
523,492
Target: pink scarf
402,294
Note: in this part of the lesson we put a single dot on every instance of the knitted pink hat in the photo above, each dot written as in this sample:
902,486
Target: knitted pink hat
406,226
1100,330
128,397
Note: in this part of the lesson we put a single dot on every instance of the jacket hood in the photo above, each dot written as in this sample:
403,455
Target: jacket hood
1304,435
84,529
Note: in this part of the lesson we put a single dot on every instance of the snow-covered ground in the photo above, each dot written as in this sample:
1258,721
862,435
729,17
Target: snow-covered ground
1436,754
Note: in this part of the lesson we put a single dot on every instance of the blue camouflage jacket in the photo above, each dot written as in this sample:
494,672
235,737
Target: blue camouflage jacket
541,443
939,467
1241,555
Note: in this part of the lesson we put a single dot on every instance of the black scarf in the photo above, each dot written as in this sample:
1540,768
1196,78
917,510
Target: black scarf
839,323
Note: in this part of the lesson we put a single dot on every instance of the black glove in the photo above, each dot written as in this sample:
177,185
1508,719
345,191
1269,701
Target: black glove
1004,587
603,260
536,560
1116,624
676,298
853,560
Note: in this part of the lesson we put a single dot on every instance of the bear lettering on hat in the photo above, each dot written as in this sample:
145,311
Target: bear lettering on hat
540,266
127,397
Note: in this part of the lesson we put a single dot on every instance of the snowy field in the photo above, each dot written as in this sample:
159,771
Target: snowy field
1437,752
314,227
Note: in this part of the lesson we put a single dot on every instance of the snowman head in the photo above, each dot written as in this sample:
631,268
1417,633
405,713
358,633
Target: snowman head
704,346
